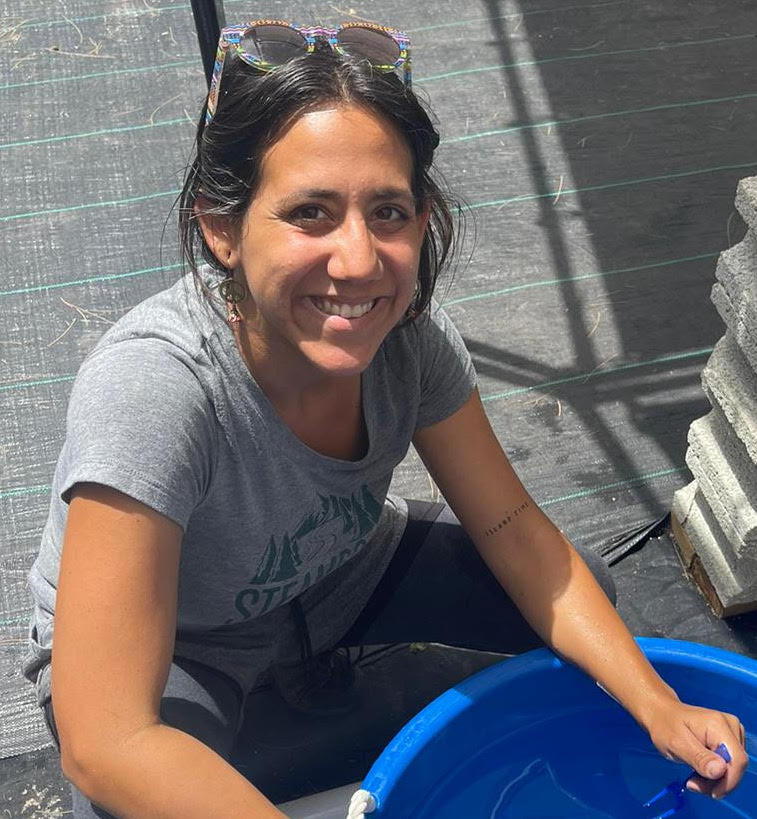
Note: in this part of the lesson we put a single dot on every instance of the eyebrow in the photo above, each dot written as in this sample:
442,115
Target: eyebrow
394,193
382,194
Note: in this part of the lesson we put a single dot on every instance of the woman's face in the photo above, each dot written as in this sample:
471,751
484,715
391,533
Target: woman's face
329,246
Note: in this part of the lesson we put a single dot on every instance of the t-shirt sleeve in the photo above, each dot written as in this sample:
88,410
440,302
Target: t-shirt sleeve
139,421
447,373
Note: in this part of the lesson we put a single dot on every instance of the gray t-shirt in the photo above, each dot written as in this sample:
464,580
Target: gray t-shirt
165,410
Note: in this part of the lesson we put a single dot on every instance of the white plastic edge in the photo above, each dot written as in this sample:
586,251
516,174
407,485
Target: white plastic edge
599,685
362,802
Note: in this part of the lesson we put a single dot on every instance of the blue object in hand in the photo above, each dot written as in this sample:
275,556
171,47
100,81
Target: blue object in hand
676,792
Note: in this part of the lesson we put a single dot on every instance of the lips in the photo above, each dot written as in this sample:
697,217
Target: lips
339,308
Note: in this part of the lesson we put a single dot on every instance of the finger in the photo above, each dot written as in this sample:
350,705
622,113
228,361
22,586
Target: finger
696,784
718,788
705,761
733,774
712,775
736,728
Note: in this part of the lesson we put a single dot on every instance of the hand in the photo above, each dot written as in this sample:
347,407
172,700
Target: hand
687,733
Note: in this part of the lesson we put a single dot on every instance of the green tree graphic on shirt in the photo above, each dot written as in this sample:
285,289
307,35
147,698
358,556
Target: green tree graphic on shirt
320,543
358,514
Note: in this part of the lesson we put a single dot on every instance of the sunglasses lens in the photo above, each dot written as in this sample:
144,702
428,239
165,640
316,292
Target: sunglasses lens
273,44
369,44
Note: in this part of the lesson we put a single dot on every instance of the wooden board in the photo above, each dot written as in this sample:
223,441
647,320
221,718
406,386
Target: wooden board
697,572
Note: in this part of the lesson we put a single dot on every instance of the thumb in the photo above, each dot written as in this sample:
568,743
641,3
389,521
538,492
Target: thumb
708,764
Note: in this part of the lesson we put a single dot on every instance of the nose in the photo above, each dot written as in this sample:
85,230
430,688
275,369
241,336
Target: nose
354,255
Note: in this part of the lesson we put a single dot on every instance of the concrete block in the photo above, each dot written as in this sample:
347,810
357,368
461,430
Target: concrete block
727,479
737,270
746,200
729,589
723,305
714,518
731,385
740,319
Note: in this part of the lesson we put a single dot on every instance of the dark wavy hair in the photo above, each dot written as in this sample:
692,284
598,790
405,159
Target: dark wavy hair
255,108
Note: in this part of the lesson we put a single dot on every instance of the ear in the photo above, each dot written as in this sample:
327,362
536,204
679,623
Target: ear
218,234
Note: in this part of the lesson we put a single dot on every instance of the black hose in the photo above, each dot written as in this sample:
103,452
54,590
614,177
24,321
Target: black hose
209,18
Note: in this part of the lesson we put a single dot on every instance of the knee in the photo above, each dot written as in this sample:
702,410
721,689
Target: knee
601,572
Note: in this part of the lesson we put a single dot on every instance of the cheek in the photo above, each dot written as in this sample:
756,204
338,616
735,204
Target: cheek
295,260
413,261
271,274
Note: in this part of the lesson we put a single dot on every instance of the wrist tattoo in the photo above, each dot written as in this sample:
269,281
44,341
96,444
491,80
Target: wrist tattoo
513,513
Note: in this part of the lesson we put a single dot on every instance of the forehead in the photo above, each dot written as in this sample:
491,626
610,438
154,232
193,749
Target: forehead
338,143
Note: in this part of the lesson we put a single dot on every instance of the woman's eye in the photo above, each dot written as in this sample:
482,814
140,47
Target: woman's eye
308,213
388,213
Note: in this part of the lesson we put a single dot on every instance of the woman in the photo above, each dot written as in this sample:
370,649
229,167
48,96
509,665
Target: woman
220,505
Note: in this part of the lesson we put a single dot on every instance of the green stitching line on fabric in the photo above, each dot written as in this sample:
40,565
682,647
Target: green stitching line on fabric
118,15
558,122
41,382
55,285
14,621
546,282
616,485
598,373
70,208
116,71
24,490
527,197
588,56
517,15
128,14
28,142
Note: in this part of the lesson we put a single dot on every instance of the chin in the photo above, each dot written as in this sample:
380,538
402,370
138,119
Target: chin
343,369
340,363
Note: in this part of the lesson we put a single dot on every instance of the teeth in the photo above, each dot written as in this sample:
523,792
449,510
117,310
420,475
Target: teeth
333,308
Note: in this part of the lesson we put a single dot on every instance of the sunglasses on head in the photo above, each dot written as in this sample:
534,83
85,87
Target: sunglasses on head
267,44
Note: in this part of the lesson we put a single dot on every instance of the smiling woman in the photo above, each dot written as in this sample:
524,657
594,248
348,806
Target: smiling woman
329,270
220,509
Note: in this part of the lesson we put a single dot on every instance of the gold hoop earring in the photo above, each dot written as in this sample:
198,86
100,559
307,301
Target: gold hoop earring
233,293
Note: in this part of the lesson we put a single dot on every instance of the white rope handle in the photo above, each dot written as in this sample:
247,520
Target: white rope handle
362,802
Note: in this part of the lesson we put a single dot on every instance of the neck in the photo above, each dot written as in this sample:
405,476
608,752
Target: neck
291,384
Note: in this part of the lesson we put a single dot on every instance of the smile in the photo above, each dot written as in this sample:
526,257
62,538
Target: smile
335,308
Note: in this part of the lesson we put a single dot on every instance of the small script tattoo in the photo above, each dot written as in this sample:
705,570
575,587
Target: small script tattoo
513,513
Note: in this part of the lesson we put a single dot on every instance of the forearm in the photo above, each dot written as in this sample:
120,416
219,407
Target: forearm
560,597
533,561
164,773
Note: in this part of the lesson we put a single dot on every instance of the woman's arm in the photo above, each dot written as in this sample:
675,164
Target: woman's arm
115,623
558,595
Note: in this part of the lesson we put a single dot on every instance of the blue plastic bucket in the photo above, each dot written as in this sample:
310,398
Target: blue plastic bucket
533,737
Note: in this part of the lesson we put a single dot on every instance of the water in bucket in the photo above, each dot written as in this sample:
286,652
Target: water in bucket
568,769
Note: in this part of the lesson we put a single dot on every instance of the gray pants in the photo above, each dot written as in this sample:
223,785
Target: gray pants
436,589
